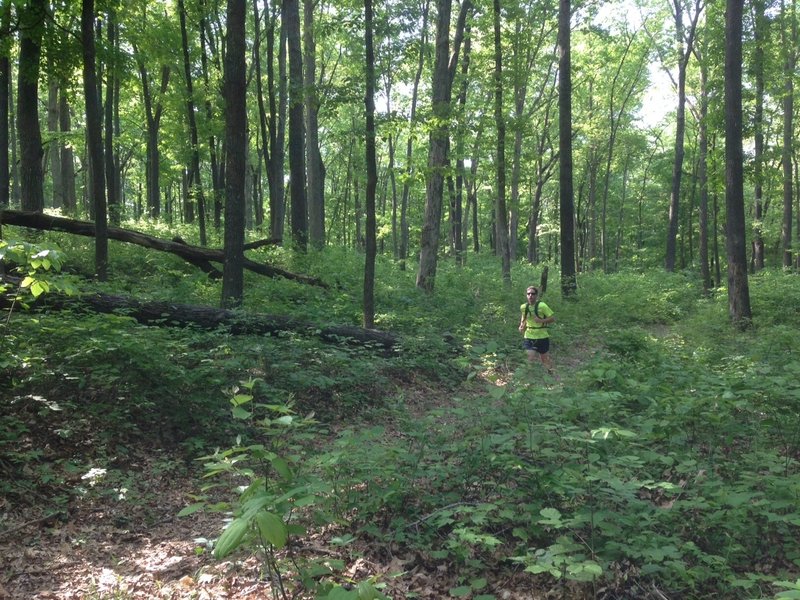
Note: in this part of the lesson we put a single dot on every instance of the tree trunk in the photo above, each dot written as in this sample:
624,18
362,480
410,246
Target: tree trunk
404,233
170,314
195,184
442,85
54,146
5,93
297,164
738,292
111,168
236,154
789,47
458,223
316,170
30,135
217,169
153,123
262,112
705,270
94,141
501,214
758,126
277,120
569,282
372,171
685,40
70,201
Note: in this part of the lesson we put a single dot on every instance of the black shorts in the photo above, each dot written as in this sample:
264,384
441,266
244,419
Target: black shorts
542,345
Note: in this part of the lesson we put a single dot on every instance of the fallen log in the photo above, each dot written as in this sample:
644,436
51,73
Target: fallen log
171,314
195,255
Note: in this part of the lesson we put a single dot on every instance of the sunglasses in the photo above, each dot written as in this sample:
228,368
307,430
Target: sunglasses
531,293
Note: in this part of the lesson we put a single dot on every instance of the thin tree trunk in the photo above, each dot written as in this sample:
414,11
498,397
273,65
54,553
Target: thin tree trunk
70,202
458,224
789,45
758,125
54,147
315,168
5,94
277,120
195,185
94,140
262,112
297,164
235,91
404,233
705,271
444,70
569,282
500,214
685,41
738,292
30,135
372,175
111,170
217,177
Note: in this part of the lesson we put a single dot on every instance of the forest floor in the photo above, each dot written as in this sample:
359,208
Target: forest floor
125,544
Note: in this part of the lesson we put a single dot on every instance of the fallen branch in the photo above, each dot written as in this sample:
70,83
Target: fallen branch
169,314
195,255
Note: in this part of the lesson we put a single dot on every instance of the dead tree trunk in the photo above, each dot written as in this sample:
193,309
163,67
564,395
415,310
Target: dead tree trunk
193,254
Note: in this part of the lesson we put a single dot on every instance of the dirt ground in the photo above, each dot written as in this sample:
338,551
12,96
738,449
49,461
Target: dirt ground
110,548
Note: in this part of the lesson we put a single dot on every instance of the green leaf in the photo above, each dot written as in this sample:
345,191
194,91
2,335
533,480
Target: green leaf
550,517
239,413
191,509
339,593
282,467
272,529
231,538
496,392
460,592
239,399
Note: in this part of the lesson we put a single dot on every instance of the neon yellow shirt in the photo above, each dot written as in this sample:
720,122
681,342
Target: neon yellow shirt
534,330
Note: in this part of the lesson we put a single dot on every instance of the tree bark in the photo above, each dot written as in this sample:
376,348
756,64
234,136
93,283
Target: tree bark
111,166
685,41
569,283
5,93
297,163
28,129
195,183
54,146
372,171
153,120
315,167
95,142
789,45
217,176
444,70
277,125
70,201
738,291
501,214
236,156
404,198
759,25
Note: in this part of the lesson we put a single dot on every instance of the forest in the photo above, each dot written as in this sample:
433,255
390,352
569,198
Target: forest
261,273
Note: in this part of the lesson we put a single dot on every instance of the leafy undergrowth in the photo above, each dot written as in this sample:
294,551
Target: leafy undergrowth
147,462
113,531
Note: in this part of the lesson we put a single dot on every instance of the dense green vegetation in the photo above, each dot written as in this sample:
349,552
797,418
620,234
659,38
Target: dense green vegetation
665,463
